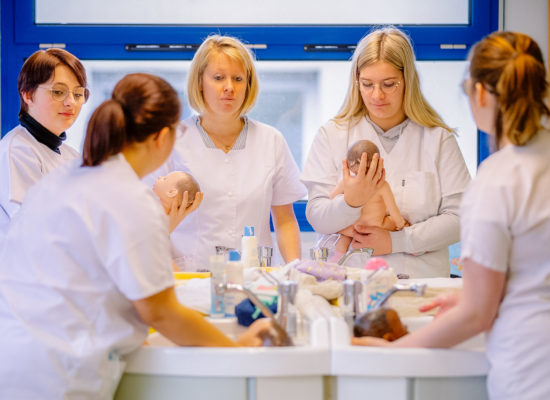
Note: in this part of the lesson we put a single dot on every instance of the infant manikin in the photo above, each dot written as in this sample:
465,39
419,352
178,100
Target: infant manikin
171,187
380,210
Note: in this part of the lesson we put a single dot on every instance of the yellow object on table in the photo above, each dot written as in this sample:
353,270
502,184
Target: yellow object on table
190,275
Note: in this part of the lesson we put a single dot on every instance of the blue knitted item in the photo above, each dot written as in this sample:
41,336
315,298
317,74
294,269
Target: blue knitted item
247,312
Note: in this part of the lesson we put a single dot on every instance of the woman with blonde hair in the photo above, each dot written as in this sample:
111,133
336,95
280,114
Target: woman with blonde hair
426,170
244,167
505,225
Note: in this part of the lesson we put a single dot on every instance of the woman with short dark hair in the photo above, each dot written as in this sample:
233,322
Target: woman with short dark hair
52,89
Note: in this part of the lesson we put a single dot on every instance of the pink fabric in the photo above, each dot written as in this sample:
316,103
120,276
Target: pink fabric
375,263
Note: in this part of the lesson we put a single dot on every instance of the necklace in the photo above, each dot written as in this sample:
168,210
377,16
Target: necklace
224,145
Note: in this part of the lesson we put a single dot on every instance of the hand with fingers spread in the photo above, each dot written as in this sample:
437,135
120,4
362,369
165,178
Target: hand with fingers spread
360,188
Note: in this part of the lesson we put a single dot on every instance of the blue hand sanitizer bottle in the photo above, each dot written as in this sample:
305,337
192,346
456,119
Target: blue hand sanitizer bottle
233,274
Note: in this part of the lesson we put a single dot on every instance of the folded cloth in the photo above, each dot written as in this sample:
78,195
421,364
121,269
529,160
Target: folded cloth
322,270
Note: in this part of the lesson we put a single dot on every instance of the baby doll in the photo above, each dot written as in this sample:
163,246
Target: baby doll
375,211
382,323
171,187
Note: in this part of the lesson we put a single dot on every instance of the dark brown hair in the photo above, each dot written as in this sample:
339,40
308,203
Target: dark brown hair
510,65
39,68
141,105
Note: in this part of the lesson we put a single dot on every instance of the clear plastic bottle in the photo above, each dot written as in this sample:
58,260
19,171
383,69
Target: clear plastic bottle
217,277
233,274
249,248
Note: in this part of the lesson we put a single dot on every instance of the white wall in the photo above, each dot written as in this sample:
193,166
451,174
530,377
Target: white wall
529,17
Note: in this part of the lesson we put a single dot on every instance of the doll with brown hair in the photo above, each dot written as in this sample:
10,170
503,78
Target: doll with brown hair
381,210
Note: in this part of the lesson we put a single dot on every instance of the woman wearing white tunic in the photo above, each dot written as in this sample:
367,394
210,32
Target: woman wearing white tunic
52,89
426,170
85,267
505,225
244,167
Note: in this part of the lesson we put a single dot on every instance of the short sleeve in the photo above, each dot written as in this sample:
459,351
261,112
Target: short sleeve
485,216
144,267
287,187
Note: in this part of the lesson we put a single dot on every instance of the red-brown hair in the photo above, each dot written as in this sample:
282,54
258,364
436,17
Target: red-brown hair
511,66
39,68
141,105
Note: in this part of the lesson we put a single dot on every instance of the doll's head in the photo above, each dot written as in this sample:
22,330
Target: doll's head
171,187
382,323
355,152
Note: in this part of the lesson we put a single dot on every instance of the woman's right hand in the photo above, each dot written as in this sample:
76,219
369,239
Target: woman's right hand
178,212
252,337
360,188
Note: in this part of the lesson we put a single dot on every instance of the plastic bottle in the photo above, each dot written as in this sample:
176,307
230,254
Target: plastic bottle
217,275
249,248
233,274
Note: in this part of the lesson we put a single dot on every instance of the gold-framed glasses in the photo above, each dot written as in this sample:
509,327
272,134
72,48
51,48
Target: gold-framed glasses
387,87
59,92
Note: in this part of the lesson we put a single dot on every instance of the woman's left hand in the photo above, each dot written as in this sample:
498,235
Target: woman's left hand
374,237
178,212
369,341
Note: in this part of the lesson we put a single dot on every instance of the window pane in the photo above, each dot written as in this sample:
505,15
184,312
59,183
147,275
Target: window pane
258,12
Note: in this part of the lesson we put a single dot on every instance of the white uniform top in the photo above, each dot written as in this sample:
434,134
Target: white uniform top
23,162
239,189
86,242
505,219
424,167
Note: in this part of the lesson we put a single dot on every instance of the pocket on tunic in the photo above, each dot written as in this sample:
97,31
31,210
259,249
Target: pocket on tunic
416,196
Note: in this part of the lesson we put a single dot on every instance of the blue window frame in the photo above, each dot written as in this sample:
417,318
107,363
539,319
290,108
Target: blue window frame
21,36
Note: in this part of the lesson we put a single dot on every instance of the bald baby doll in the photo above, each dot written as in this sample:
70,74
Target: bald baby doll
381,209
171,187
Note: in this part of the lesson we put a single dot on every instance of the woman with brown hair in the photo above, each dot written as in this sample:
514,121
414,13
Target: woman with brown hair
86,267
52,89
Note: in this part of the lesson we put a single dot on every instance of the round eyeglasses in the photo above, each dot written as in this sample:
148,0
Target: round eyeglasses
60,92
386,87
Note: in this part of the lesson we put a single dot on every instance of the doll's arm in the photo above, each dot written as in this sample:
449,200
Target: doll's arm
392,208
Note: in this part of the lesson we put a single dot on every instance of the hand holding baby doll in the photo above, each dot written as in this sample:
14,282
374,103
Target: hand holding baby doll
174,191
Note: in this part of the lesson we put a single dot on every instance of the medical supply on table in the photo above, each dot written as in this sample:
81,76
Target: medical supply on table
217,271
249,248
233,275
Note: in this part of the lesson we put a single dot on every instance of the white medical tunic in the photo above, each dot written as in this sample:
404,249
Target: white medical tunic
23,162
86,242
239,187
505,219
424,167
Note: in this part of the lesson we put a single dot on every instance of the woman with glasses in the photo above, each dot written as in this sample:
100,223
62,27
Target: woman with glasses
52,90
425,168
244,167
505,225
